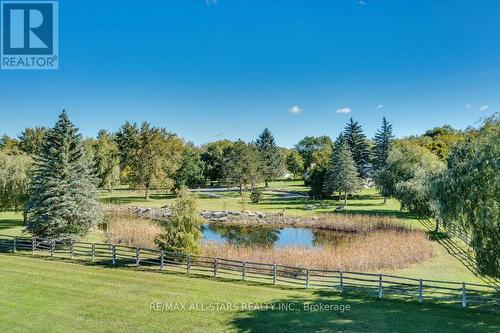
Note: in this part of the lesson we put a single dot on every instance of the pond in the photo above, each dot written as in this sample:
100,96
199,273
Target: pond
271,236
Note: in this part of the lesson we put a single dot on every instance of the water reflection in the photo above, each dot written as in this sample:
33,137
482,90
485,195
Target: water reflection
270,236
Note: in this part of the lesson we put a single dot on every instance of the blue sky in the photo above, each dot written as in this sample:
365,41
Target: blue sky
227,69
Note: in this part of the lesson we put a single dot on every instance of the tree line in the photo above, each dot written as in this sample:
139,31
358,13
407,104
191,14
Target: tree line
448,175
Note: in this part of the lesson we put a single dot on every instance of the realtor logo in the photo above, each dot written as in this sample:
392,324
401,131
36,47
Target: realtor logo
29,34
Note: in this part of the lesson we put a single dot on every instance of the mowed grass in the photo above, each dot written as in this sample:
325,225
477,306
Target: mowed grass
41,295
368,201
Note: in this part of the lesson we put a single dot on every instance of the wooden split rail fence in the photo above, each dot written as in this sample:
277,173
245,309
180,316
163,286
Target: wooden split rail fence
378,285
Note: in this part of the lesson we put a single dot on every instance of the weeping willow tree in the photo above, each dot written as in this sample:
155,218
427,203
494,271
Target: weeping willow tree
467,195
182,230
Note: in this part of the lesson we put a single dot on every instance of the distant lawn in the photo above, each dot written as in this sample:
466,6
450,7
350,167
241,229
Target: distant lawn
368,201
40,295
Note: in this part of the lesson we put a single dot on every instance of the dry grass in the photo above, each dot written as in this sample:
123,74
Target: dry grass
372,245
127,229
388,249
337,222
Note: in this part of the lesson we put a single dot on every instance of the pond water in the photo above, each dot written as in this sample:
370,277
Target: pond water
271,236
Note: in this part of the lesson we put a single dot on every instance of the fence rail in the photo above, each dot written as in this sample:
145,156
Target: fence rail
378,285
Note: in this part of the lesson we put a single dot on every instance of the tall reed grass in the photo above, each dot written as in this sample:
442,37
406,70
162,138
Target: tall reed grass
388,249
371,245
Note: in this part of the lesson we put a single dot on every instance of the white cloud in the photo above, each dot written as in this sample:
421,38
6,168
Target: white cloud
295,109
380,106
344,110
483,107
468,106
361,3
212,2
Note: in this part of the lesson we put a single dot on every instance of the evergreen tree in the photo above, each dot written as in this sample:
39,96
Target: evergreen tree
63,196
272,158
383,142
182,230
358,144
342,175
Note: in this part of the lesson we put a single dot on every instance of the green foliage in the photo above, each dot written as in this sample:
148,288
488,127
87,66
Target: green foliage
127,139
190,172
294,163
272,158
155,158
182,230
315,179
438,140
14,180
383,142
407,177
106,159
212,157
468,193
256,195
359,146
63,196
31,140
242,165
342,176
9,145
315,151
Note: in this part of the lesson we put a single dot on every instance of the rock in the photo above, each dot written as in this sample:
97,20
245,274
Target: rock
309,207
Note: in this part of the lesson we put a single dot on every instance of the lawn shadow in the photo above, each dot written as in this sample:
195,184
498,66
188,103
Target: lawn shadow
294,314
10,223
459,251
121,200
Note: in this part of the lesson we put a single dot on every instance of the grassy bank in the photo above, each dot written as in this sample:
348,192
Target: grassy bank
62,297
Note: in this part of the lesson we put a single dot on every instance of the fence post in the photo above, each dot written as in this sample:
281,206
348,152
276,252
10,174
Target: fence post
380,286
14,247
420,291
244,270
215,266
113,254
188,263
71,249
137,256
464,295
52,247
93,252
274,274
307,278
33,245
341,281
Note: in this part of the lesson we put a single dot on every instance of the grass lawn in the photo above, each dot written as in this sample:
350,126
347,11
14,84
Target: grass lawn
49,296
366,202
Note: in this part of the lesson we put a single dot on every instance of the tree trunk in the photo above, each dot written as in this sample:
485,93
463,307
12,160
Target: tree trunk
436,228
266,183
340,195
147,193
385,200
241,188
345,199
